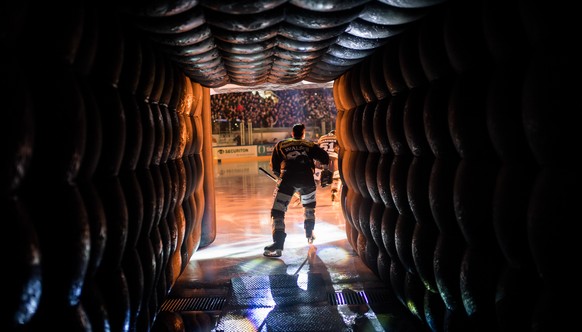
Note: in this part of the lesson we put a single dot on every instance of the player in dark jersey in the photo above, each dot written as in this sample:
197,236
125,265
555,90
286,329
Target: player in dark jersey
329,143
293,161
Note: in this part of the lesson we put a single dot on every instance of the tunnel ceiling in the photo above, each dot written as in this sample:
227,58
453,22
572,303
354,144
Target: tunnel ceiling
271,43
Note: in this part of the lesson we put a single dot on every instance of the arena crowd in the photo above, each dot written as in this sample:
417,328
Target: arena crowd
274,109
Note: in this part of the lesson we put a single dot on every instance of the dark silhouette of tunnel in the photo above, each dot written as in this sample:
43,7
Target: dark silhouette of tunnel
458,124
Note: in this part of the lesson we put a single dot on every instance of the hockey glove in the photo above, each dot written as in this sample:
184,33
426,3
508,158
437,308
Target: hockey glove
326,178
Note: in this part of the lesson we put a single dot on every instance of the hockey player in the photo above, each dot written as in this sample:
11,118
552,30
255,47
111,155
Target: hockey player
329,143
292,161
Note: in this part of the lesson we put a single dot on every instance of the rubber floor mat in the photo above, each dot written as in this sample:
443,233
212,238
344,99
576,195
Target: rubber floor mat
286,303
268,291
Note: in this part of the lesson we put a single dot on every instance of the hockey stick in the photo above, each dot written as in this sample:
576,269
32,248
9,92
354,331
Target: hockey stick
268,174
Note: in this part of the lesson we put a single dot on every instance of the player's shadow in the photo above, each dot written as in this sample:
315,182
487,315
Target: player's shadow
301,302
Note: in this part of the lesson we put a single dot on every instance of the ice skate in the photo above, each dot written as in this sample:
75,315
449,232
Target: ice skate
275,249
310,236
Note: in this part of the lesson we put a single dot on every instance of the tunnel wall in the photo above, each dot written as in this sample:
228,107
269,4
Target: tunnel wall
460,149
107,179
457,157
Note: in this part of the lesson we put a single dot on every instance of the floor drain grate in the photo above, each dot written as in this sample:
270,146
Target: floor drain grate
361,297
193,304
